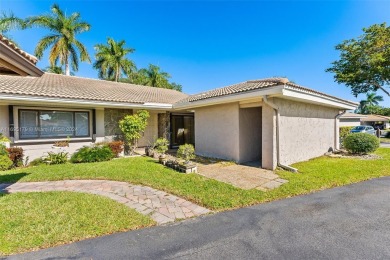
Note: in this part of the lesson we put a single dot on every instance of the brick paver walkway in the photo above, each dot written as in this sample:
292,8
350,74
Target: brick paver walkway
159,205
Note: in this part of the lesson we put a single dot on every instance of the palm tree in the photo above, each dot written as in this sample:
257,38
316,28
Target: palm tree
65,47
372,100
10,22
111,60
56,70
154,77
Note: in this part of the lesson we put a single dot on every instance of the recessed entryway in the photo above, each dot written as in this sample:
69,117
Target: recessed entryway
250,134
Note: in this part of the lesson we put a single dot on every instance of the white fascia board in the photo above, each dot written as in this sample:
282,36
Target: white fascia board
277,90
34,100
318,99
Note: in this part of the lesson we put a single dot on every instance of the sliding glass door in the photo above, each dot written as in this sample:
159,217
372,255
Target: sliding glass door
182,127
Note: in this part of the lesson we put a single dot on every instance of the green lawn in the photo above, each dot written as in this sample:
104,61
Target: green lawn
316,174
385,140
36,220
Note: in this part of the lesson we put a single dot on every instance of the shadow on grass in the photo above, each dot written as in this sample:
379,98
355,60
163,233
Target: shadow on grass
6,180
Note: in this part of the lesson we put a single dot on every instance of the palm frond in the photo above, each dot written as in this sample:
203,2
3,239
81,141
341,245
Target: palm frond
10,22
74,58
43,44
84,56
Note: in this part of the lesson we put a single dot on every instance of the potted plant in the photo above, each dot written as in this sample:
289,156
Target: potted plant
149,149
187,152
161,146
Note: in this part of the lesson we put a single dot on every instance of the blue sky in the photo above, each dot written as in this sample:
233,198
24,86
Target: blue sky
209,44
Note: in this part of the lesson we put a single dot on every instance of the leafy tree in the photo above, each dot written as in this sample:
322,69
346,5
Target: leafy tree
56,70
364,63
133,126
372,100
376,110
111,60
176,86
65,49
10,22
154,77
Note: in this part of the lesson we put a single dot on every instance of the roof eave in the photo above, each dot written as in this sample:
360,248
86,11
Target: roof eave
316,98
17,62
236,97
53,101
288,92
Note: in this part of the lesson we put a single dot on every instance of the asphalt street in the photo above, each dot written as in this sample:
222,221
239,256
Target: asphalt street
350,222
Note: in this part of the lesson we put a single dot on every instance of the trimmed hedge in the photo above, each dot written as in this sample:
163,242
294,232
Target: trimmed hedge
92,154
361,143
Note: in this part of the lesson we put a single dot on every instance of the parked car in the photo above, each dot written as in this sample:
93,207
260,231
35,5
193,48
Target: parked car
363,129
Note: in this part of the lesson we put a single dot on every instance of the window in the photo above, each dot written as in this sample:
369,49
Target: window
35,124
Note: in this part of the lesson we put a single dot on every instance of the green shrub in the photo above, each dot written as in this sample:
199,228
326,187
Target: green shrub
161,145
186,152
3,138
3,150
16,156
92,154
56,158
133,126
116,147
37,162
361,143
5,163
345,131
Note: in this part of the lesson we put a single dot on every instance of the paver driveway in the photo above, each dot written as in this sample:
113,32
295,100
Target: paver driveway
350,222
161,206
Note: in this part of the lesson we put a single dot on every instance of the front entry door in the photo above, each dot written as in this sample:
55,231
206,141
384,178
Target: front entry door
182,130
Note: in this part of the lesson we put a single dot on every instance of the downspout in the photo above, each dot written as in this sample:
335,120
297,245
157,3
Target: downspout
336,129
276,108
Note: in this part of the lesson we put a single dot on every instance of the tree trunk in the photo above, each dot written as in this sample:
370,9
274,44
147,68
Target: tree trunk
117,73
67,69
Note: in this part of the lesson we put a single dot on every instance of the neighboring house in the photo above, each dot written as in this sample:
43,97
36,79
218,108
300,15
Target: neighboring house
376,120
351,119
272,120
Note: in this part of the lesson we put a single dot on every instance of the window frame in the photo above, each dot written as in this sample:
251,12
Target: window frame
39,111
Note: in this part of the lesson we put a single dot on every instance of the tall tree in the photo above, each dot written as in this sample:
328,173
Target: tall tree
111,60
372,100
154,77
10,22
56,70
364,63
176,86
65,49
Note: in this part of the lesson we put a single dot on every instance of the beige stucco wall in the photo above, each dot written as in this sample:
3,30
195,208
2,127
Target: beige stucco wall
151,131
306,130
268,154
250,134
217,131
99,137
4,122
349,122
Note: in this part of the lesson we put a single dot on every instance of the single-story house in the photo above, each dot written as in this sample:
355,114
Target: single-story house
351,119
376,120
273,121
